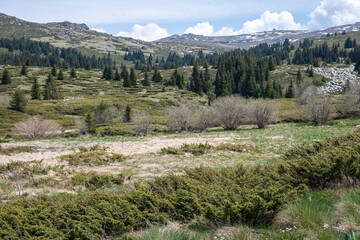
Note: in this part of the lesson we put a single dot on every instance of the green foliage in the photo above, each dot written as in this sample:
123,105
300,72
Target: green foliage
114,130
93,180
51,91
235,147
18,101
73,73
6,77
23,70
18,149
128,114
90,125
35,89
60,76
193,148
92,158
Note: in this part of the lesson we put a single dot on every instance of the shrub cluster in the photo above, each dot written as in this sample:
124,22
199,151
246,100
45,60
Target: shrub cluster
226,196
93,180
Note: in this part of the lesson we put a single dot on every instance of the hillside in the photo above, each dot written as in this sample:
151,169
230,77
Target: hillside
250,40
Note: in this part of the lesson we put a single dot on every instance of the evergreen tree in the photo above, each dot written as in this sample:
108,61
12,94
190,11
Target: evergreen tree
88,66
146,81
298,77
54,71
35,89
206,79
133,82
290,91
128,114
156,76
60,75
311,72
18,101
23,70
269,90
125,75
271,63
6,78
117,76
348,43
50,91
90,125
73,73
196,80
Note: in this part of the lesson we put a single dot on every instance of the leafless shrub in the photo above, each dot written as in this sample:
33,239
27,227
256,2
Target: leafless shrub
204,118
321,109
101,116
231,111
36,127
81,126
307,95
142,122
301,87
4,100
263,112
179,117
353,96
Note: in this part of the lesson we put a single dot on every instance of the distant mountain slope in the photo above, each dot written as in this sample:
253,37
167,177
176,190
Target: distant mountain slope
253,39
67,34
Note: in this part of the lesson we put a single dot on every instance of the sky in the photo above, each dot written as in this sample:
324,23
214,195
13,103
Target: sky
151,20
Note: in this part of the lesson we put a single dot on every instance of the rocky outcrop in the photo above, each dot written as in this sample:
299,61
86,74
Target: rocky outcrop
71,26
339,78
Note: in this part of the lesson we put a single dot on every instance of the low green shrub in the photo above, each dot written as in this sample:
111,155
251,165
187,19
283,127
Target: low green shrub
93,180
226,196
115,130
235,147
92,158
17,149
193,148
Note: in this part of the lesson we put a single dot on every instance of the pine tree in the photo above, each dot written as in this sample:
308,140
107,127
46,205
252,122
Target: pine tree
133,82
18,101
298,77
89,123
60,75
117,76
35,89
206,79
6,78
128,114
290,91
196,80
146,81
269,90
311,72
88,66
50,91
54,71
156,76
23,70
125,75
73,73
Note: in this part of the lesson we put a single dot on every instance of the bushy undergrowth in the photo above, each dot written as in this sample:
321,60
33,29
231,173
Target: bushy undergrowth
226,196
93,180
200,148
18,149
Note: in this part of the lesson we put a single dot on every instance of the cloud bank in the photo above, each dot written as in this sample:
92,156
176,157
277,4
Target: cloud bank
335,12
149,32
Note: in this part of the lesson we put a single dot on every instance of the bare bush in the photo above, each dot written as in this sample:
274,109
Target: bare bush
101,116
36,127
179,117
321,109
231,111
263,112
142,122
204,118
301,87
353,96
307,95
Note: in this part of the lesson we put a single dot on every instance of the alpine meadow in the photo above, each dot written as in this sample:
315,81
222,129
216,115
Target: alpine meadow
161,133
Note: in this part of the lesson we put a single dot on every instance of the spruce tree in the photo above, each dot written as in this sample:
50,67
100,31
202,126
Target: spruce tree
146,81
117,76
298,76
311,72
206,79
88,66
35,89
73,73
125,76
128,114
18,101
195,80
290,91
50,91
89,123
132,80
54,71
156,76
269,90
6,78
60,75
23,70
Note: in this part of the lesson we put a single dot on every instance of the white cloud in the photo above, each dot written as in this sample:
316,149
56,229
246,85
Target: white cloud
149,32
100,30
203,28
269,21
334,13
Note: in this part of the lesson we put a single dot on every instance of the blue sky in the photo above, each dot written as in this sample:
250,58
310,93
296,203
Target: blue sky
149,20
